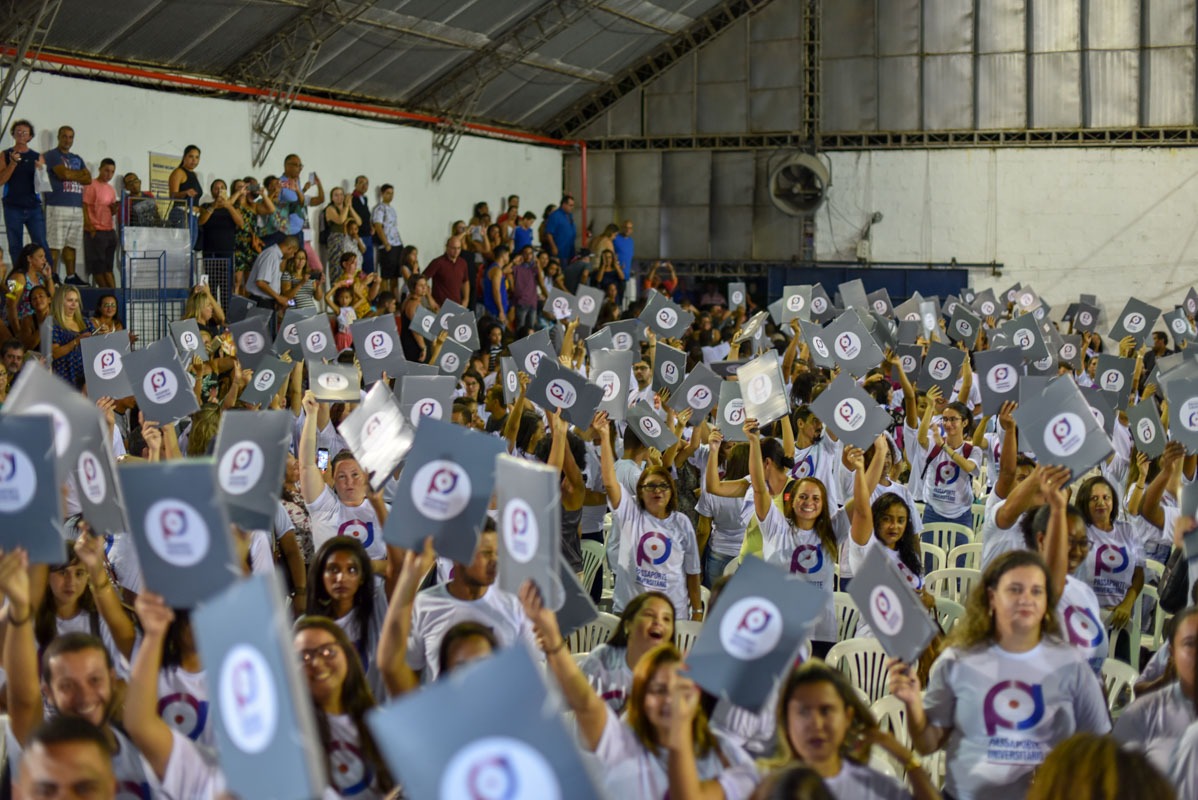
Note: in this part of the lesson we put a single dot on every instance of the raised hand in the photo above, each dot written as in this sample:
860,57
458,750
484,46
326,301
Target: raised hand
153,612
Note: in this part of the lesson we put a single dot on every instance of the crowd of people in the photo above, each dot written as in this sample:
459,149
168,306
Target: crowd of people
1008,701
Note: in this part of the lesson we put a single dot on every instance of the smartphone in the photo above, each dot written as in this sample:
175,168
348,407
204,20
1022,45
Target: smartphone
322,458
311,177
204,279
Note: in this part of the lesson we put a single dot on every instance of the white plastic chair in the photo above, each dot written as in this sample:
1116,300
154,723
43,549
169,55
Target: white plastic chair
946,535
891,714
979,516
951,583
580,657
948,612
965,556
704,599
1156,633
593,634
1133,630
1119,685
592,561
1152,572
864,661
685,634
934,558
847,616
732,566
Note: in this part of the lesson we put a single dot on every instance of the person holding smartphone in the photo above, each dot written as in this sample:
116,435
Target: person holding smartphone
293,200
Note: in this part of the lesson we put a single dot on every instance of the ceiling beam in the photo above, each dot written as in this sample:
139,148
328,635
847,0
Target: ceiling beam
704,29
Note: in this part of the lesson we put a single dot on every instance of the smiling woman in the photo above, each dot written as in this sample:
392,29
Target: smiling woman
647,622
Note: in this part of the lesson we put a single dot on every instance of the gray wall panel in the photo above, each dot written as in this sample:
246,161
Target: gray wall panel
624,117
1113,24
777,21
686,178
722,108
685,232
1114,78
1055,99
731,231
898,27
1056,25
848,28
898,93
948,26
601,178
669,114
638,179
1002,26
1002,91
948,92
726,58
774,110
680,77
775,65
732,179
1170,22
1169,73
850,95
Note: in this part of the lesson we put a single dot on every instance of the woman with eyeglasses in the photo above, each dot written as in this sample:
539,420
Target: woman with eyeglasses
657,549
342,697
107,318
342,588
945,463
1006,690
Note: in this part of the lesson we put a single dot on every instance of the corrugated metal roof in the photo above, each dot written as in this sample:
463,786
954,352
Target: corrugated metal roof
396,50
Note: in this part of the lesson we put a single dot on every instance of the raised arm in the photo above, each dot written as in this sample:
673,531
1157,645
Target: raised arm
311,480
1150,506
761,488
1056,537
511,426
904,684
861,516
966,378
712,483
590,712
90,550
926,423
145,727
392,653
909,403
792,348
607,461
788,436
20,649
1008,458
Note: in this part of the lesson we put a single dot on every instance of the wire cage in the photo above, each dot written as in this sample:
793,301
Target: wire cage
158,266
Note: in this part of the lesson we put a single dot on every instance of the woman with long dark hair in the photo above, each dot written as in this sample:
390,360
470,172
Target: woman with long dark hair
1114,567
646,622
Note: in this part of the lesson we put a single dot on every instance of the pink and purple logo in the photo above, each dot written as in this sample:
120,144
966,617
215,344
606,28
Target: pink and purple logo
1110,558
653,548
1084,628
806,559
186,714
1014,705
359,529
493,778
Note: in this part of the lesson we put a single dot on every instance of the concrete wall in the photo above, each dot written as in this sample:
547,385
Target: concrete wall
1112,222
125,123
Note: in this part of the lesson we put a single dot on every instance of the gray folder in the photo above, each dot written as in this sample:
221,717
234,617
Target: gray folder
164,393
30,499
528,505
250,454
611,371
104,365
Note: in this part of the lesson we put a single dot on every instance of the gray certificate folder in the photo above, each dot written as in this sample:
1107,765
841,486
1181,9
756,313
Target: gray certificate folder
528,502
890,607
262,710
180,528
516,746
30,500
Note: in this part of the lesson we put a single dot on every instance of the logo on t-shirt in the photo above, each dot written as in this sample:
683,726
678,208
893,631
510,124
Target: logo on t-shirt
348,771
1014,705
947,473
186,714
1083,628
359,529
1110,558
804,468
176,532
807,558
499,768
751,628
653,548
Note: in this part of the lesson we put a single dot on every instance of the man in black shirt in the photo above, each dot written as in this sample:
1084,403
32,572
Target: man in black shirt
361,204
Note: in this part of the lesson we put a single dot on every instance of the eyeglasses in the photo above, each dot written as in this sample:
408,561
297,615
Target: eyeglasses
325,653
656,487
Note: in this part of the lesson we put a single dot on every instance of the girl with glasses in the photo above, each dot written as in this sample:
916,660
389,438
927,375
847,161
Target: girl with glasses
945,463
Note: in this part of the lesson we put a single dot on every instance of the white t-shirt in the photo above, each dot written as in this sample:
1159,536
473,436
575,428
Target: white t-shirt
189,773
858,782
607,669
366,642
633,773
330,517
946,487
436,611
1112,560
1080,618
349,773
1006,711
822,461
802,554
997,540
123,557
727,525
653,555
1183,773
1155,723
183,703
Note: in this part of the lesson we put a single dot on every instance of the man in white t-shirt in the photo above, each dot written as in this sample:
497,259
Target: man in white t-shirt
64,753
348,507
469,596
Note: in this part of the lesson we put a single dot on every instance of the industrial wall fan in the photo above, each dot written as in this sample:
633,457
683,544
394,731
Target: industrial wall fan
798,183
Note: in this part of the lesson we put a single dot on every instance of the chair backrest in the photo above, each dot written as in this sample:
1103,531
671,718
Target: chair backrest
1156,633
948,612
933,557
732,566
593,634
704,599
979,516
946,535
952,583
847,616
864,661
1133,631
685,634
592,560
965,556
1119,685
1153,570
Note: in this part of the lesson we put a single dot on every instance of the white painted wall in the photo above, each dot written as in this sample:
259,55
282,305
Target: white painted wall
1113,222
126,122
